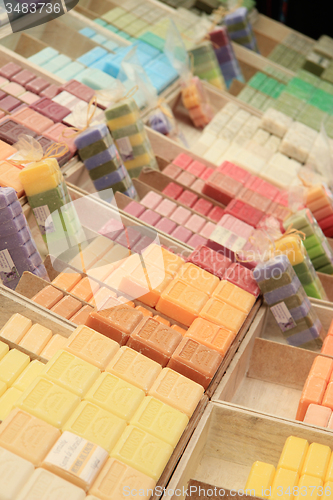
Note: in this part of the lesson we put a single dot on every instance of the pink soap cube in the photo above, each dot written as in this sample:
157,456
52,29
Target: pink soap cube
196,240
236,226
186,179
182,160
150,217
198,185
172,171
202,206
134,208
142,244
317,415
207,230
50,91
151,200
60,133
195,223
263,187
112,229
37,85
182,234
172,190
10,69
206,173
282,198
216,214
238,173
187,198
3,81
166,225
14,89
196,168
242,277
29,97
23,77
181,215
166,208
255,199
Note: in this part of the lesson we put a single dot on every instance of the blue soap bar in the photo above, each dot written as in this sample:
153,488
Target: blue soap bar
279,294
301,311
11,211
12,226
103,157
70,71
131,192
145,47
92,56
110,45
43,56
96,79
124,35
7,196
238,16
102,63
88,32
91,135
57,63
159,82
101,22
110,179
305,336
101,39
271,269
112,64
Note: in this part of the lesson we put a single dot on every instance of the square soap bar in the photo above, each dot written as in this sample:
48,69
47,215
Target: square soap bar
15,328
210,335
234,296
198,278
223,315
15,472
32,371
46,483
36,338
12,365
213,262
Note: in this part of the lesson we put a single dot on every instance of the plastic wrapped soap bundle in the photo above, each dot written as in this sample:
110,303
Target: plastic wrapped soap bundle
225,55
240,29
206,65
18,252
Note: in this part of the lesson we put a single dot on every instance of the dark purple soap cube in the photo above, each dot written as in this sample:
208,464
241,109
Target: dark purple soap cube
23,77
9,70
14,240
12,226
37,85
10,212
10,131
51,109
9,103
7,196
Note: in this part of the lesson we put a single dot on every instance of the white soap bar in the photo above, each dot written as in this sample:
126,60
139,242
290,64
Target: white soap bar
43,485
216,150
207,139
273,143
230,108
261,137
275,122
242,115
14,473
260,151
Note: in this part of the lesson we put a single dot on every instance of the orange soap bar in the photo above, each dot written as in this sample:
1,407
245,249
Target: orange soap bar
328,346
85,289
48,297
36,338
195,361
56,343
198,278
330,330
67,279
6,150
154,340
328,396
223,314
101,297
181,302
144,311
81,317
10,177
162,320
234,296
163,259
322,368
179,329
313,392
67,307
15,328
210,335
317,415
129,303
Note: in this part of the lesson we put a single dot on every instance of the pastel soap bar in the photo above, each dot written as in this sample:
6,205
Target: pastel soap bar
12,365
57,342
213,262
210,335
260,479
15,328
293,454
32,371
36,338
317,415
15,471
46,484
48,297
198,278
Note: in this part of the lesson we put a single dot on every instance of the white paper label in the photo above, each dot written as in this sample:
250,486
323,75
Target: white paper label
42,215
125,148
283,317
8,271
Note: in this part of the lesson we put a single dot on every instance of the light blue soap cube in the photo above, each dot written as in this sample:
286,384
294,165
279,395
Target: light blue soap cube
113,64
57,63
165,69
70,71
92,56
101,64
111,28
101,39
97,79
124,35
159,82
110,45
145,47
101,22
43,56
88,32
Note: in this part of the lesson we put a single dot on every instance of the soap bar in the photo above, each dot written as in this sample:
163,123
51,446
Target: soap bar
81,317
313,393
115,321
234,296
32,371
284,482
213,262
57,342
8,400
48,297
12,365
210,335
15,471
131,447
116,478
317,415
223,315
260,479
45,484
163,259
27,436
36,338
293,454
322,368
198,278
4,348
15,328
316,461
311,486
67,307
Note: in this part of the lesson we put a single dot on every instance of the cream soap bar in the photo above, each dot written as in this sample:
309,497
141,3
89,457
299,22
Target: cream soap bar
15,328
43,485
14,472
12,365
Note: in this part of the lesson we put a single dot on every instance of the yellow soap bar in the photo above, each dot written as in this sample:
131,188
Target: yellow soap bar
8,400
177,391
40,176
328,490
260,479
315,192
234,296
283,484
134,368
116,480
83,260
329,473
96,425
115,395
198,278
92,346
27,436
163,259
139,161
309,488
12,365
316,460
161,420
223,315
3,387
292,247
123,121
4,348
137,139
36,338
293,454
57,342
15,328
142,451
32,371
71,372
48,401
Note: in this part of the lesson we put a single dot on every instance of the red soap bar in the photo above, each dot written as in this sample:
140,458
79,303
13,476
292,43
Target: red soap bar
9,70
263,187
202,206
254,199
242,277
213,262
196,168
206,173
172,190
9,103
50,91
237,173
320,214
222,188
78,90
244,212
23,77
37,85
326,223
187,198
216,214
183,160
50,109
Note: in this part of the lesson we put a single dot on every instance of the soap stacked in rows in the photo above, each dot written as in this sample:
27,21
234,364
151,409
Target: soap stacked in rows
225,55
240,29
320,201
206,65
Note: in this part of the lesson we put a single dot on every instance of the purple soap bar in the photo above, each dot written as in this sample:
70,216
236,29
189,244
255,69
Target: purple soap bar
283,292
50,109
172,171
10,212
91,135
112,229
166,225
41,272
142,244
15,239
23,251
151,200
181,215
12,226
37,85
23,77
182,234
196,240
134,208
105,156
78,90
301,311
305,336
166,208
150,217
271,269
7,196
9,103
10,131
129,237
9,70
50,91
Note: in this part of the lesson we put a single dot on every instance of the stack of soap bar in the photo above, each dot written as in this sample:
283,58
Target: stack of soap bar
17,247
125,124
319,201
101,158
195,101
288,302
12,364
240,29
206,66
225,55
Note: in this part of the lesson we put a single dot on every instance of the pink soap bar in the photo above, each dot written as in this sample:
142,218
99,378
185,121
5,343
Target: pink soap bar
242,277
206,173
317,415
330,422
172,190
50,91
182,234
172,171
216,214
150,217
37,85
58,133
78,90
29,97
202,206
166,208
236,226
134,208
322,213
198,186
14,89
282,198
186,178
278,211
326,223
196,168
50,109
142,244
195,223
222,188
9,70
196,240
254,199
9,103
263,187
237,173
207,230
187,198
112,229
23,77
151,200
166,225
244,212
181,215
213,262
182,160
3,81
33,120
129,237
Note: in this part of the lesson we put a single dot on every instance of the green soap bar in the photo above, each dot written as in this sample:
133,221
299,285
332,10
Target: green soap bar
100,22
210,75
96,147
308,77
313,345
246,94
312,67
244,40
258,100
153,40
328,269
305,278
316,251
311,242
122,109
267,104
301,268
106,168
295,300
121,186
136,128
270,284
257,80
313,291
319,262
54,199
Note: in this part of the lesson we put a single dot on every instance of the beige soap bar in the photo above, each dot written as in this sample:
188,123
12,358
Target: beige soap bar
15,328
56,343
43,485
36,338
14,472
27,436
